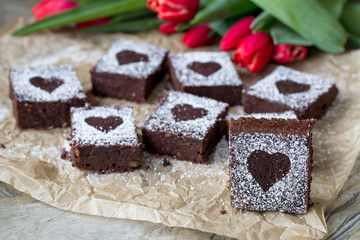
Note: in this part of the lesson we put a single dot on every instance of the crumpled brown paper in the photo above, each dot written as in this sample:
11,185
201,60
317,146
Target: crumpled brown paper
182,194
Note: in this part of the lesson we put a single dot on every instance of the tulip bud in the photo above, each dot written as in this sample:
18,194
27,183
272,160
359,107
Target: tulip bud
199,36
174,10
254,52
47,8
101,21
236,33
168,28
287,53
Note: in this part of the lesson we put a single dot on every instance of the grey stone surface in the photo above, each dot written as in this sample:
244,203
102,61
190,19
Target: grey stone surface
22,217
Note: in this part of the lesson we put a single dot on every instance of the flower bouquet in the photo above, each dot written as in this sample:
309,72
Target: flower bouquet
259,31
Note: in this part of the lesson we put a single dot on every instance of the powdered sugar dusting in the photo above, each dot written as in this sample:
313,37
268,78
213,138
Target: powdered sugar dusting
84,134
287,194
267,89
162,119
226,75
71,87
283,115
142,69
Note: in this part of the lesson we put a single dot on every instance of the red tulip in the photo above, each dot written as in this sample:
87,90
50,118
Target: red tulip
287,53
168,28
254,52
174,10
199,36
101,21
236,33
46,8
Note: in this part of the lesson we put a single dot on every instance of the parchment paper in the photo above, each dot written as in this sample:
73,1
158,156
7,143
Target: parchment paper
182,194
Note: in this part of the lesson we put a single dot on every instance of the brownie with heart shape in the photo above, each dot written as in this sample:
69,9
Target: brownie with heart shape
286,89
129,70
104,139
208,74
270,164
185,126
43,95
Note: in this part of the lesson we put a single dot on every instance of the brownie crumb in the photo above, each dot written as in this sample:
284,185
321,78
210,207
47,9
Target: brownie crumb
147,166
63,154
2,146
223,212
166,162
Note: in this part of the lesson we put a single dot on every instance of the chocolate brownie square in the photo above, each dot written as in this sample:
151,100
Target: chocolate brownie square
42,96
185,126
129,70
285,89
270,164
104,139
208,74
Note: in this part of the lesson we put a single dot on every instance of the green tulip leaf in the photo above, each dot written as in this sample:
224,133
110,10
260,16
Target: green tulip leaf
133,15
222,9
350,17
282,34
354,40
84,13
262,22
309,19
334,6
220,27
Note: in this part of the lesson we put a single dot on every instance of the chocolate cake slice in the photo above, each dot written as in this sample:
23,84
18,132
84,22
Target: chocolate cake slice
285,89
104,139
42,96
185,126
129,70
208,74
270,164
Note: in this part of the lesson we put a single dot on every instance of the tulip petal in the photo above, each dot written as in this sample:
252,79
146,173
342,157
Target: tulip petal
254,52
101,21
287,53
260,60
50,7
236,33
198,36
168,28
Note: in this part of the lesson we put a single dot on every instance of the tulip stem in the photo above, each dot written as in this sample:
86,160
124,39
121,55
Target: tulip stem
137,25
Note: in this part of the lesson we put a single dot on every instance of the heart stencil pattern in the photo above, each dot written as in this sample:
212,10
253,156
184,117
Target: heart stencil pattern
267,168
104,124
205,69
48,85
185,112
126,57
289,87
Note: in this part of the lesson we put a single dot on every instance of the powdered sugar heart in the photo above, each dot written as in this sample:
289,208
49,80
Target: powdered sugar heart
48,85
267,168
185,112
104,124
205,68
